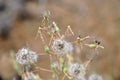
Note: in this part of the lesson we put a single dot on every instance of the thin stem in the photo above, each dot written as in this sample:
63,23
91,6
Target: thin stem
67,75
43,69
52,37
88,62
69,31
63,77
42,54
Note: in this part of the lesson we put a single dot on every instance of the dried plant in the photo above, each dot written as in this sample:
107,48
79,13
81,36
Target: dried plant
61,53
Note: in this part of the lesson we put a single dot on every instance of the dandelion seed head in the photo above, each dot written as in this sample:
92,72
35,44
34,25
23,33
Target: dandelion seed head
25,56
95,77
61,46
77,69
80,78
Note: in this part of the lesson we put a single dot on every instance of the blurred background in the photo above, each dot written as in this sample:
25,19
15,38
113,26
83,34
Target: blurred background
20,19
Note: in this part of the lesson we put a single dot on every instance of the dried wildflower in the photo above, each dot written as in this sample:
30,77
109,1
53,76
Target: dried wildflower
95,77
77,69
61,46
25,56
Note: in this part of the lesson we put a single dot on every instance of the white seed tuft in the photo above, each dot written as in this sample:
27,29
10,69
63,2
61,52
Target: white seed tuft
61,47
95,77
77,69
26,56
80,78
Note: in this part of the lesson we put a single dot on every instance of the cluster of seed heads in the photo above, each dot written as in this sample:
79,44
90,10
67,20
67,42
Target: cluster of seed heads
58,45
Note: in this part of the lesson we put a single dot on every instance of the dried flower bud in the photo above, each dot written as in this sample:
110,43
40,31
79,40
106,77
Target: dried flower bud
26,56
56,27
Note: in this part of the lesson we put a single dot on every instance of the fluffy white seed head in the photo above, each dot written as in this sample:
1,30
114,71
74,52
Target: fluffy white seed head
61,47
77,69
25,56
95,77
80,78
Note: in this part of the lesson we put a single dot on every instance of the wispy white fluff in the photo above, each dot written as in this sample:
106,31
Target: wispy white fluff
25,56
77,69
95,77
61,47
